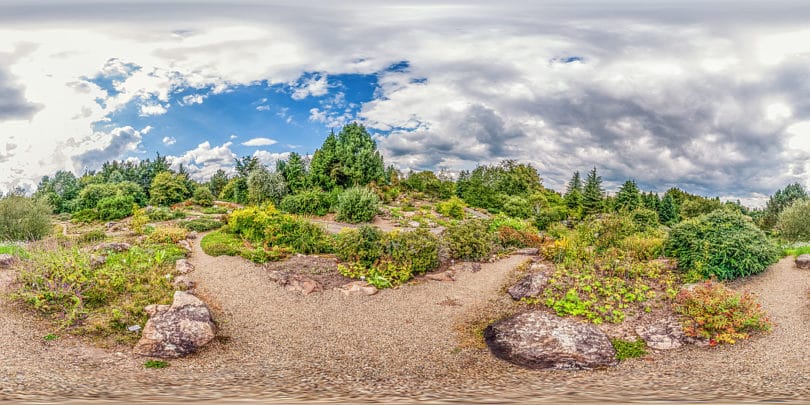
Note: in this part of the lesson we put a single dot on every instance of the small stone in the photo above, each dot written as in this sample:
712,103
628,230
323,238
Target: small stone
134,328
183,266
803,261
192,235
7,260
531,286
185,245
448,275
528,251
114,246
303,285
358,288
97,260
184,283
666,334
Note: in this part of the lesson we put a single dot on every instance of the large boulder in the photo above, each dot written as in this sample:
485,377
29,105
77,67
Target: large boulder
7,260
530,286
176,330
803,261
540,340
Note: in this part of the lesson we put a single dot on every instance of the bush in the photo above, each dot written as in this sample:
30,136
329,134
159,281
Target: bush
298,234
251,222
167,234
548,216
516,206
626,349
452,208
643,246
357,204
722,244
470,239
719,314
94,235
644,219
168,189
164,214
363,245
417,250
793,222
214,210
203,196
116,207
84,216
220,243
509,237
201,224
23,218
308,202
139,220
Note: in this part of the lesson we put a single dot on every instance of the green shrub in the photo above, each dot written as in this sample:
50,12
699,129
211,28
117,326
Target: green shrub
626,349
502,220
251,222
139,220
644,219
219,243
85,216
643,246
168,189
201,224
795,250
94,235
298,234
716,313
363,245
470,239
203,196
215,210
417,250
793,222
164,214
308,202
516,206
116,207
357,204
452,208
13,250
509,237
157,364
167,234
722,244
547,216
23,218
382,275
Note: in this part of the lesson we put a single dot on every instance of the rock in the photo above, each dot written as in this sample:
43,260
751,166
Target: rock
295,282
97,260
176,331
531,286
414,224
7,260
185,245
183,266
192,235
528,251
666,334
184,283
358,288
114,246
803,261
448,275
540,340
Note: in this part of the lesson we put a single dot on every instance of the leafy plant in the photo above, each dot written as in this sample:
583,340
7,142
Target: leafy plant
626,349
167,234
362,245
155,364
164,214
139,220
214,210
716,313
722,244
201,224
50,337
357,204
307,202
793,222
219,243
203,196
93,235
23,218
416,251
86,215
115,207
470,239
452,208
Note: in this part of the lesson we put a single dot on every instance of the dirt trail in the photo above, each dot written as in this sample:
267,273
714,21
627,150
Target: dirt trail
278,345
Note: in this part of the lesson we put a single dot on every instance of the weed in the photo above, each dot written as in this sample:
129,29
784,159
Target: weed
626,349
50,337
157,364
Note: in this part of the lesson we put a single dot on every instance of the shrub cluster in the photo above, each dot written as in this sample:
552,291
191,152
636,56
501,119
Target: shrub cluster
722,244
23,218
793,223
357,204
470,240
716,313
201,224
164,214
309,202
269,226
203,196
167,234
115,207
452,208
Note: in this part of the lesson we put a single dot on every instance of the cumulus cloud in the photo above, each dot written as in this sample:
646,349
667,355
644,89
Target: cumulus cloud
152,109
260,142
269,159
169,140
192,99
316,86
13,104
105,146
204,160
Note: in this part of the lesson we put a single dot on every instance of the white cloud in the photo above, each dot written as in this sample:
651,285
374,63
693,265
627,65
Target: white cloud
260,142
232,137
269,159
169,140
263,108
145,130
315,86
204,160
152,109
192,99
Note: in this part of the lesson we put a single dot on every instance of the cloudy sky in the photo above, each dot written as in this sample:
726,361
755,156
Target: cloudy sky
712,97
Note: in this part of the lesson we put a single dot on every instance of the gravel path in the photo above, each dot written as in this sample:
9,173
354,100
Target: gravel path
280,346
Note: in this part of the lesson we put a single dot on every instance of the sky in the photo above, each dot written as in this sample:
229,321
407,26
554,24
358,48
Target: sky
711,97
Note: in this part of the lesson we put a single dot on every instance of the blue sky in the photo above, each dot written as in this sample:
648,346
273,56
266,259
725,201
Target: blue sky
707,96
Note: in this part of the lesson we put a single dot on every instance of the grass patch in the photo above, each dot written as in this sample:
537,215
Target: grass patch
219,243
101,301
214,210
93,235
13,250
201,224
626,349
50,337
795,251
155,364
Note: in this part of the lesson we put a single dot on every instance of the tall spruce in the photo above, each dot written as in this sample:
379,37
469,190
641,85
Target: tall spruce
593,196
573,194
668,210
628,197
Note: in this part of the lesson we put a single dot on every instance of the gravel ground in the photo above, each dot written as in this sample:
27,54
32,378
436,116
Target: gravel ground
397,346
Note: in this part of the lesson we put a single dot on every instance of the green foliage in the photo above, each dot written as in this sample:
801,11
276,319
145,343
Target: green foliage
217,182
219,243
362,245
793,222
417,250
427,183
23,218
139,220
214,210
644,219
668,210
307,202
626,349
164,214
452,208
348,159
98,301
203,196
470,239
782,199
722,244
263,186
270,227
50,337
59,191
168,189
294,171
167,234
155,364
573,194
116,207
357,204
93,235
86,215
628,198
593,195
516,206
236,190
487,186
14,250
786,251
510,237
201,224
716,313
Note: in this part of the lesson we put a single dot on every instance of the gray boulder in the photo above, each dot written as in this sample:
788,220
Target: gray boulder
803,261
530,286
183,266
114,246
540,340
177,330
7,260
666,334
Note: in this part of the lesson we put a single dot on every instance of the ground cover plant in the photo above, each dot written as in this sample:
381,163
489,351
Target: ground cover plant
201,224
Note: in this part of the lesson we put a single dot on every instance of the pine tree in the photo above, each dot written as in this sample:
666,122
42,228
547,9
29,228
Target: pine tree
593,194
573,194
668,210
628,197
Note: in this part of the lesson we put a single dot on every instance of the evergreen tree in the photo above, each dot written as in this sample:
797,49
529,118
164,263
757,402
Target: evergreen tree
265,186
668,210
778,202
218,182
573,194
361,162
628,197
325,168
593,195
294,171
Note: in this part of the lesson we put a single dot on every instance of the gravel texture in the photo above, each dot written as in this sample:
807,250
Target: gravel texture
397,346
